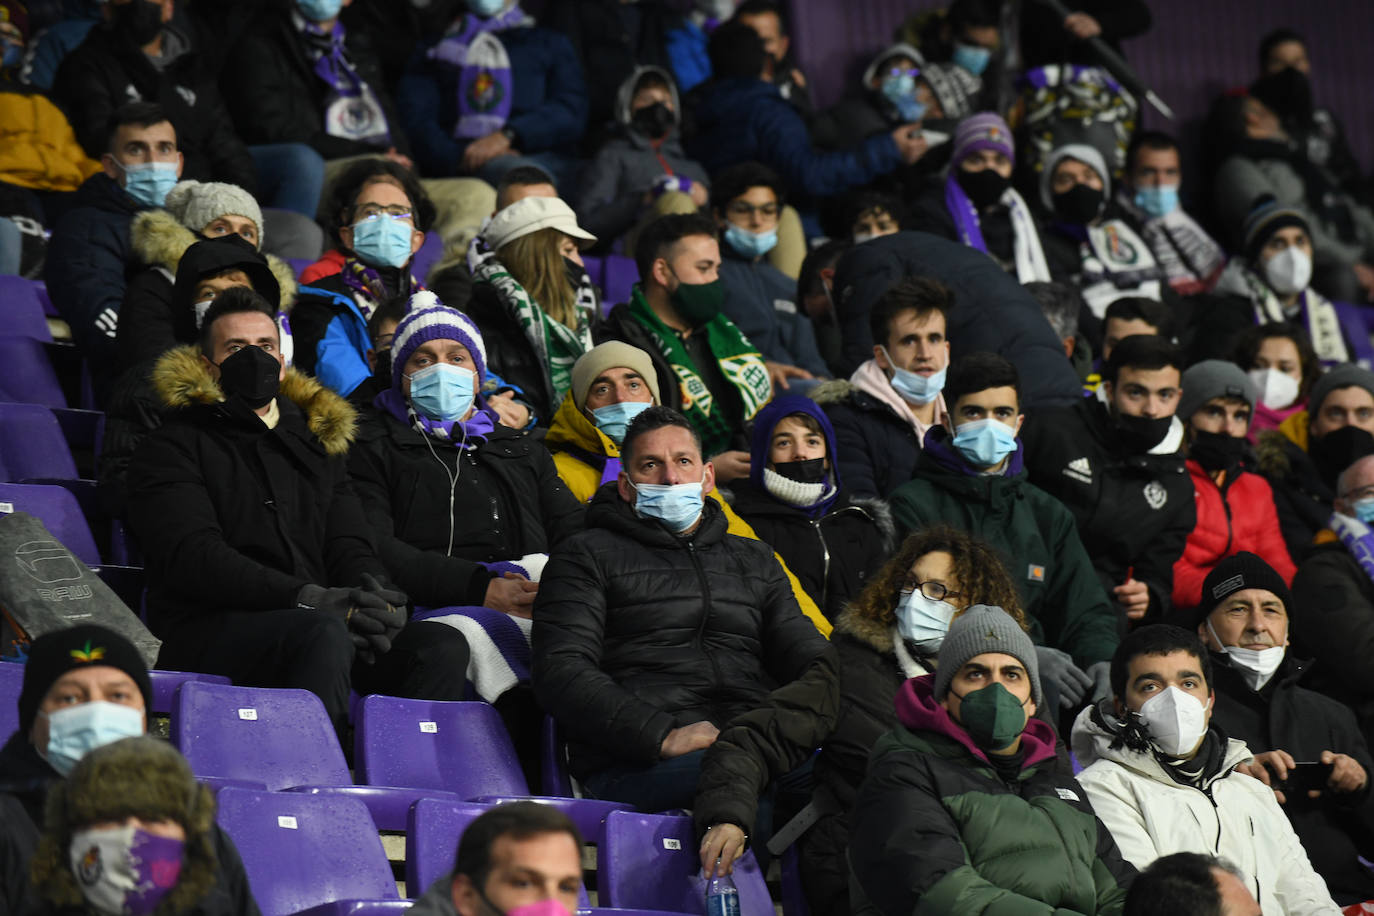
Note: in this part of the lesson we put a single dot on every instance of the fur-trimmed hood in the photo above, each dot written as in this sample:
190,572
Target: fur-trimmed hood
834,391
160,241
866,630
182,379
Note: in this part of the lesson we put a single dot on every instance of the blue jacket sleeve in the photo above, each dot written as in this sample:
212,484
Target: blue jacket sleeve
785,144
561,118
85,277
417,100
339,363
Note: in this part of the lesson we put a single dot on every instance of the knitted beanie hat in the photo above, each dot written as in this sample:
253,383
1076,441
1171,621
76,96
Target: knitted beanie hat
953,87
197,204
429,319
1266,217
985,130
1346,375
84,646
612,354
1088,155
1213,378
1236,573
984,628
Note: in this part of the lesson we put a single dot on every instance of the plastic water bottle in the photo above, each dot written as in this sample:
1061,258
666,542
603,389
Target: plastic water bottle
722,898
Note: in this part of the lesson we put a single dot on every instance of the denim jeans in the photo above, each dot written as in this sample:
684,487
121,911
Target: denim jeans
290,176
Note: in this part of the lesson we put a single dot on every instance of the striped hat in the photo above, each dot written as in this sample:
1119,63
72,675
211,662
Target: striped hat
1266,217
985,130
429,319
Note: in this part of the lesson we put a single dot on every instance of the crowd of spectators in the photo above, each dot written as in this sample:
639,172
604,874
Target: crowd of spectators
944,498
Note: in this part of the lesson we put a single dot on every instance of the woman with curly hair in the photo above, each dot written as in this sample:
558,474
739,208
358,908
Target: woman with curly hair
891,632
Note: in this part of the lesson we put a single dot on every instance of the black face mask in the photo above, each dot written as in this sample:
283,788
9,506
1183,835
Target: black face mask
653,121
1289,94
251,375
1218,451
1138,435
139,21
1338,450
381,368
810,470
984,188
1079,205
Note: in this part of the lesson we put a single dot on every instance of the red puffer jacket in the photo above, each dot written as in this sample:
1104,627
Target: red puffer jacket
1237,516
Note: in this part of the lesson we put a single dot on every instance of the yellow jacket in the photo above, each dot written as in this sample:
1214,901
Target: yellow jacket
579,451
37,146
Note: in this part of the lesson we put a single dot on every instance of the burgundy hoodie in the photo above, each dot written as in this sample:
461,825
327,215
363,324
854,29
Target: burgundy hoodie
918,710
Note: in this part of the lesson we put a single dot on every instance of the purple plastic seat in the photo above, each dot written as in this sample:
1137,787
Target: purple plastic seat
21,308
553,761
651,861
32,444
432,832
302,851
281,738
430,253
462,748
11,682
618,280
28,376
59,512
166,684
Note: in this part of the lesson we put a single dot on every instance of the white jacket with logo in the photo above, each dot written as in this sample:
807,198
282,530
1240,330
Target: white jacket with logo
1235,817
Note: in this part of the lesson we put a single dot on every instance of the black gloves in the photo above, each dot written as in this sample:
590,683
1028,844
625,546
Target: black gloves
374,613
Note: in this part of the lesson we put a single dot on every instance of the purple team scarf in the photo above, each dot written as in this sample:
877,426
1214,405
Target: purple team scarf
484,81
367,282
964,214
352,110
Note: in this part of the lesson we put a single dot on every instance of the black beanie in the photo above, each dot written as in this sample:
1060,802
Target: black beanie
1235,573
87,645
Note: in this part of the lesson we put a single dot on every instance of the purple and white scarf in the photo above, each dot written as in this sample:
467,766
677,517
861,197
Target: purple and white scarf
1031,266
1357,538
351,109
484,81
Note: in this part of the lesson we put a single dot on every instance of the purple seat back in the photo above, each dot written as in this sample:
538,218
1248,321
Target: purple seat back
305,850
21,308
11,682
27,376
619,279
32,444
651,861
59,512
165,684
278,737
430,253
432,831
553,761
458,747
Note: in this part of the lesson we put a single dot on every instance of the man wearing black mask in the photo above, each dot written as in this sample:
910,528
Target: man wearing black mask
1088,244
1235,507
259,560
1304,456
1113,461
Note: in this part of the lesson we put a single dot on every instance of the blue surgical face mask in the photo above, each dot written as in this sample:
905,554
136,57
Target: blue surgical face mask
1364,509
486,8
614,419
676,505
319,10
443,391
914,387
75,731
973,58
901,92
1158,201
383,241
984,443
149,182
750,244
924,621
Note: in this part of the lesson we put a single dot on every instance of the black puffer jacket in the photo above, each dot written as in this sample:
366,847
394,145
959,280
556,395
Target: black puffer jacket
1335,830
1301,497
233,516
638,631
107,70
832,556
508,502
1072,454
274,96
1335,627
876,449
991,310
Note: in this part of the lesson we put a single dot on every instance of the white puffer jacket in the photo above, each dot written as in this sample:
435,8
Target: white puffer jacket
1234,817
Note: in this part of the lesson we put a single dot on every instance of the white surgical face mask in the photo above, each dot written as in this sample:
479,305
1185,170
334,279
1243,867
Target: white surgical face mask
1176,721
1289,271
924,621
1257,666
75,731
1277,389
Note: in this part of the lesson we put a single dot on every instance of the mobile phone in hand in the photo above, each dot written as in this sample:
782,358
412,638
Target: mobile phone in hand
1306,776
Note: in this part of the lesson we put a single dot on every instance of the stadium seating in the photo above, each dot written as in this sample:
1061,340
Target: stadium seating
32,444
11,682
22,305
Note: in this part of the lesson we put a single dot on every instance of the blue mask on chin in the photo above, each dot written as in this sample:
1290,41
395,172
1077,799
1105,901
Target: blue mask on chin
443,392
382,242
614,419
914,387
750,244
984,443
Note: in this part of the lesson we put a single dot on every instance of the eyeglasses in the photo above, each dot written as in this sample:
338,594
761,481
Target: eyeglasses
935,591
367,212
912,72
744,208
